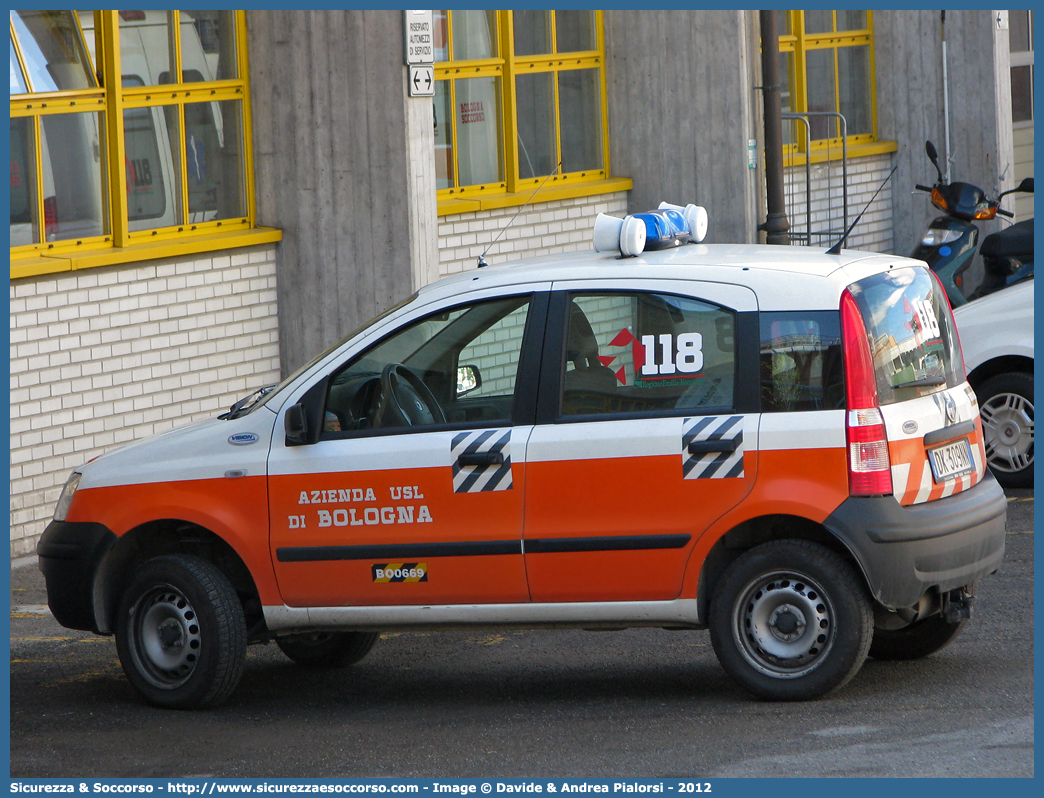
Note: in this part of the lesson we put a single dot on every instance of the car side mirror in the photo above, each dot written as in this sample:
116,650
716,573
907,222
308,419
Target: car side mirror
303,422
468,379
295,424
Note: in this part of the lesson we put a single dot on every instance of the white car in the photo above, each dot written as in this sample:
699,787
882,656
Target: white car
997,338
777,444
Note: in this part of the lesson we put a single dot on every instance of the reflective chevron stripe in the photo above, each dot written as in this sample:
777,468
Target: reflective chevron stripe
712,464
479,478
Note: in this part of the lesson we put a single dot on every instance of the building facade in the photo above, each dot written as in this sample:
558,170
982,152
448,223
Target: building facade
202,200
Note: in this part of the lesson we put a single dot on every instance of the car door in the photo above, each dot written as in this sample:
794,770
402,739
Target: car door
648,433
409,488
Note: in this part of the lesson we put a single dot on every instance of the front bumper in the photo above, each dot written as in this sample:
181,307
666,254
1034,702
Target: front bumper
69,556
906,551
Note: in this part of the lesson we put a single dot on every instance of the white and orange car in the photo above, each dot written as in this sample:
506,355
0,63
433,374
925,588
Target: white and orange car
776,443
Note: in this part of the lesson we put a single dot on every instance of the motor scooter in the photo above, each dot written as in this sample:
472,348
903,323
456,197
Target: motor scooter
949,243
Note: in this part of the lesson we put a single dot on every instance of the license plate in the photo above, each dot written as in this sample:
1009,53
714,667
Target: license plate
951,460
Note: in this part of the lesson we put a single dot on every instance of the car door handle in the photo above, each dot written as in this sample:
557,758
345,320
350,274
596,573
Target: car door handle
720,445
481,459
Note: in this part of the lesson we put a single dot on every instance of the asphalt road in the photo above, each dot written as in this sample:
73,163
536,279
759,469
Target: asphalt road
537,704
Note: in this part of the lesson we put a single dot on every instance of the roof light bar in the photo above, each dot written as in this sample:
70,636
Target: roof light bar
667,226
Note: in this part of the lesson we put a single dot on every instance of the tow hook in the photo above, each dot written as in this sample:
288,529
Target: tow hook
957,605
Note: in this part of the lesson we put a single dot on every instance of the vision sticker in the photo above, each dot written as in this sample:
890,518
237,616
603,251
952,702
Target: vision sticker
400,572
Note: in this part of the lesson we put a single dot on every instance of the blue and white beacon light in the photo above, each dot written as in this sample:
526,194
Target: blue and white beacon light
668,226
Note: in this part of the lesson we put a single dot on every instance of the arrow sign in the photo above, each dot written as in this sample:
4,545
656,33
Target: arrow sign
421,80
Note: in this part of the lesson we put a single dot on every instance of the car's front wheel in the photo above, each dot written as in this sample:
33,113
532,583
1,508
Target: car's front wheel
790,620
1006,406
181,633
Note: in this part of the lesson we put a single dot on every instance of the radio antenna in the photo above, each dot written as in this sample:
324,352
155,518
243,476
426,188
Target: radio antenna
836,249
482,258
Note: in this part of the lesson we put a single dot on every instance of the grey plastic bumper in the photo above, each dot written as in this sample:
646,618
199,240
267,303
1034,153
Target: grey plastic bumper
69,556
944,544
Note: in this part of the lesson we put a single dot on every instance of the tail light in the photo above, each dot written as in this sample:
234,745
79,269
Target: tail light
869,466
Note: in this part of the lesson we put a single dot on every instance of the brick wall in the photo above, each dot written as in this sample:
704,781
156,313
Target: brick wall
542,228
106,356
865,176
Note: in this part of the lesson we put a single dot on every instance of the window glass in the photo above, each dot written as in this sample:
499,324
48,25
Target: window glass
440,23
535,102
146,46
914,345
801,362
532,32
53,51
478,131
1021,94
17,80
73,178
575,30
820,71
473,35
213,159
1019,31
150,201
580,117
851,20
643,352
853,71
443,136
208,46
819,21
457,366
23,184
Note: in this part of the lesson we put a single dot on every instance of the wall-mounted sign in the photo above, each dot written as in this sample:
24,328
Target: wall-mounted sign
420,38
422,80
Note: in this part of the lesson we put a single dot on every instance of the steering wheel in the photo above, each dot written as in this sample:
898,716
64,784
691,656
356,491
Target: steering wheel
405,400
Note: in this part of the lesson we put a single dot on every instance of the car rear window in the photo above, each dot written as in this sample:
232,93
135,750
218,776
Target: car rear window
912,334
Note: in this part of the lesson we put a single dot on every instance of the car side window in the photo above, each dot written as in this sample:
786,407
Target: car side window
801,362
647,352
454,366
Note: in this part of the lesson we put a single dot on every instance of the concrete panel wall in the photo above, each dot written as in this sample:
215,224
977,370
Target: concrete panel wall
331,164
910,107
681,109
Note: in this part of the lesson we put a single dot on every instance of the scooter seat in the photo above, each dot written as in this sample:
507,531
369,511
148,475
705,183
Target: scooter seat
1012,242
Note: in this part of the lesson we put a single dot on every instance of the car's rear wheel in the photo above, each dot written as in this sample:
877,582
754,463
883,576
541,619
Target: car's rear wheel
917,640
1006,406
790,620
181,633
327,649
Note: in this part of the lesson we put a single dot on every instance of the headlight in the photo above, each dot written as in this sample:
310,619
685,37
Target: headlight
937,236
62,508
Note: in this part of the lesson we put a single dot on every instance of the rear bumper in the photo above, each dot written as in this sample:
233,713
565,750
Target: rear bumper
906,551
69,556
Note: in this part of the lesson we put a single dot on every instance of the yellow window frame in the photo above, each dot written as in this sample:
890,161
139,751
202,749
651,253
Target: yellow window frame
506,67
799,43
120,245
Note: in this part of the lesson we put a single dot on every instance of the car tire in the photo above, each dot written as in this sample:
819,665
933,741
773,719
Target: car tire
327,649
1006,407
181,633
919,639
790,620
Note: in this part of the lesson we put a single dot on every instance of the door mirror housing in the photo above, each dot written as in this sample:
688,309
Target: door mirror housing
295,425
303,422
